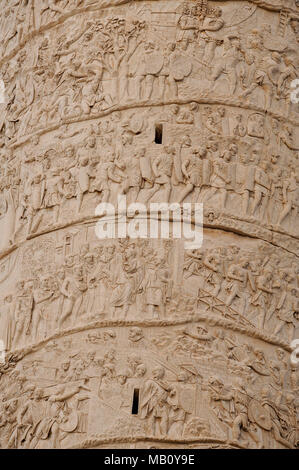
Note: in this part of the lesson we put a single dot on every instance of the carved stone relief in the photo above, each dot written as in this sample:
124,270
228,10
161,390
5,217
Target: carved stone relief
142,341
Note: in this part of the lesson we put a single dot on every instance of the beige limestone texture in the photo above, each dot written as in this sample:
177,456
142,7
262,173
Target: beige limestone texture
142,343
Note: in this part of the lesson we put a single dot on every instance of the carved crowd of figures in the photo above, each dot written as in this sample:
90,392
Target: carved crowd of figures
115,60
262,288
177,397
96,283
242,171
180,102
251,288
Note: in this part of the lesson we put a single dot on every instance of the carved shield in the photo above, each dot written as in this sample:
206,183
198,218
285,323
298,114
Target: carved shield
71,424
187,397
180,67
136,124
154,64
262,178
259,415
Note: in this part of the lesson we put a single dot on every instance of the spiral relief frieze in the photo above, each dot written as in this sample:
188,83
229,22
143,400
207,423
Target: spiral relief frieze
136,339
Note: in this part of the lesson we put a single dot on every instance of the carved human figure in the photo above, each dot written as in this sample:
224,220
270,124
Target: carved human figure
150,67
132,182
192,169
262,298
187,27
27,417
163,170
262,186
209,31
213,277
54,192
288,312
84,175
104,173
290,196
7,324
73,289
227,65
154,283
254,78
24,303
237,277
43,295
34,203
220,178
154,406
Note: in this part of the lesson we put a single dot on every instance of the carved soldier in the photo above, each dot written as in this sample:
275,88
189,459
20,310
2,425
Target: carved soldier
8,421
105,174
177,414
228,63
163,168
132,174
193,263
290,196
211,24
73,289
238,280
7,325
54,191
221,400
59,418
254,77
188,27
214,274
24,304
214,120
262,187
150,68
284,82
240,128
34,202
262,298
266,415
288,311
154,285
192,169
220,179
154,406
84,175
42,308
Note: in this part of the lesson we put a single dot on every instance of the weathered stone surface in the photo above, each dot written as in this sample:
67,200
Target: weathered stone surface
143,342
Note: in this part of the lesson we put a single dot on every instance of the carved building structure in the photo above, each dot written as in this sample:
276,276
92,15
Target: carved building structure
142,343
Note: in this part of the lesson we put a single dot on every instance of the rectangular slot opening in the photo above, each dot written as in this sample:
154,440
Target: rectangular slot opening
135,404
159,133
